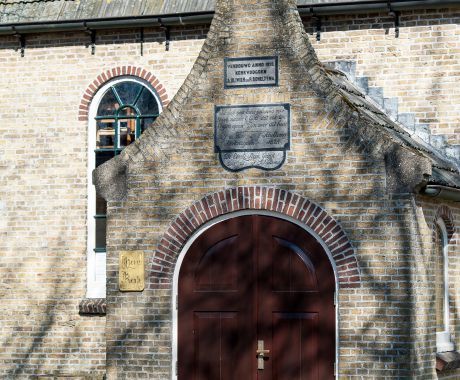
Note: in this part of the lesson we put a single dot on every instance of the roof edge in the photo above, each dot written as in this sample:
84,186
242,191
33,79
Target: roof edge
442,192
205,17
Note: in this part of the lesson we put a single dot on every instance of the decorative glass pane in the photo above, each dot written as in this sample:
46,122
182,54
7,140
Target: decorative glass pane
147,104
101,205
127,132
103,156
101,224
128,91
108,105
439,279
146,122
105,134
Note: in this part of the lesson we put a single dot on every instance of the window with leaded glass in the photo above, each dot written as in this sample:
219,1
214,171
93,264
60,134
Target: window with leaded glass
120,112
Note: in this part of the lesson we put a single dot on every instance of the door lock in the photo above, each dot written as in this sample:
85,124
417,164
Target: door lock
261,354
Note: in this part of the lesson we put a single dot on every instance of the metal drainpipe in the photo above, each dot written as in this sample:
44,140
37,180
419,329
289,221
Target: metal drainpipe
206,17
443,192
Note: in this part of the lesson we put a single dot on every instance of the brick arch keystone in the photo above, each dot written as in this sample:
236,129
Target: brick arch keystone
445,213
253,198
117,72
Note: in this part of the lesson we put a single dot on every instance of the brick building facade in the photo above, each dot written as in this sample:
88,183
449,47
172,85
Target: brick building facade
370,172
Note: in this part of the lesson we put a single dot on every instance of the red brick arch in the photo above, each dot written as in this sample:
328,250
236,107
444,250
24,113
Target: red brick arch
113,73
254,198
444,213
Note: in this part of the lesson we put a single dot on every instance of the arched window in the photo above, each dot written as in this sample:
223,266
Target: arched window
120,111
441,258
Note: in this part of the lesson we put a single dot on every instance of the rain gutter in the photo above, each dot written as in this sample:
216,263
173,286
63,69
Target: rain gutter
198,18
107,23
443,192
352,7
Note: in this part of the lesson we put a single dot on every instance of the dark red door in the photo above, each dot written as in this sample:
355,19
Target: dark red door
249,281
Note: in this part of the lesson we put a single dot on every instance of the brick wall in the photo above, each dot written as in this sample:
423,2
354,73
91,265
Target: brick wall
420,67
43,158
428,212
385,325
43,203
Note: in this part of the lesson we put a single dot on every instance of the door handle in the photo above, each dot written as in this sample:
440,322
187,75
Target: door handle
261,354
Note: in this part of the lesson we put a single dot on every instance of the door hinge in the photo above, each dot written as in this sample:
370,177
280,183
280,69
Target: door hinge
177,301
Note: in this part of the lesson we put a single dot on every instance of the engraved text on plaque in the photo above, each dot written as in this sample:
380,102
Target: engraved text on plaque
131,271
262,129
251,72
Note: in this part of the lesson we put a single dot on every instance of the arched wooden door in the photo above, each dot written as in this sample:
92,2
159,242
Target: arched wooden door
255,281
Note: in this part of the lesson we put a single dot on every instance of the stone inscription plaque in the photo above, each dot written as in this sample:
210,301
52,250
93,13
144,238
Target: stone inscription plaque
252,127
131,271
252,135
250,72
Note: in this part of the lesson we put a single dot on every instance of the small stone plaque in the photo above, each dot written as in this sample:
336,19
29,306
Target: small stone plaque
261,129
250,72
131,271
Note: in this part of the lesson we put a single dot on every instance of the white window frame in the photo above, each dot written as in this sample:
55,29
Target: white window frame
96,285
443,338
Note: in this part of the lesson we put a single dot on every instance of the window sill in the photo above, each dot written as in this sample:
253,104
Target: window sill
446,361
92,306
444,342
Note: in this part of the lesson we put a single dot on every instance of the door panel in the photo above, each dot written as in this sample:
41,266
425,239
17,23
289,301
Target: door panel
256,278
287,313
217,269
292,269
295,346
216,310
216,344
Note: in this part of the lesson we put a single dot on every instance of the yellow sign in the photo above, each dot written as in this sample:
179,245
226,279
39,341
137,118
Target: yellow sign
131,271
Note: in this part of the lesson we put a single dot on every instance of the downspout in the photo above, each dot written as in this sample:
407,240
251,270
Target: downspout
442,192
197,18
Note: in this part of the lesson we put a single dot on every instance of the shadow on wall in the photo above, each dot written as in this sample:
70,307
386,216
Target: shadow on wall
105,38
381,20
381,332
329,23
46,334
383,236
